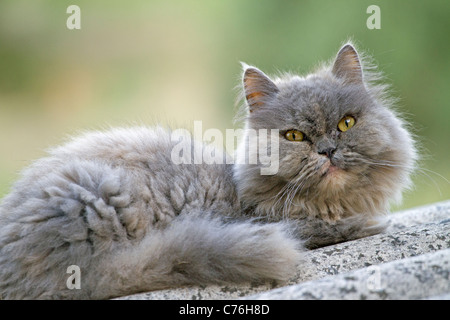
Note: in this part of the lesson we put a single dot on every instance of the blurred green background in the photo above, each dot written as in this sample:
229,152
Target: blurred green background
144,62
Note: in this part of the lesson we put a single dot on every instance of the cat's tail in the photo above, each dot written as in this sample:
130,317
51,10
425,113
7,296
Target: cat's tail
200,250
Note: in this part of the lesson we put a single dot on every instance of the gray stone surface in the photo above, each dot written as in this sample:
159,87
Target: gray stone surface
412,278
410,257
374,250
433,213
445,296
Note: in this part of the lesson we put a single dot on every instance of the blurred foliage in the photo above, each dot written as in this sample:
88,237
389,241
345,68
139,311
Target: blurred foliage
144,62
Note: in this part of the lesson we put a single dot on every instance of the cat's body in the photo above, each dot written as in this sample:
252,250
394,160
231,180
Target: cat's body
115,205
107,203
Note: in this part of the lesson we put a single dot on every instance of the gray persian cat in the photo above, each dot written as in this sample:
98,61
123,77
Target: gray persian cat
115,205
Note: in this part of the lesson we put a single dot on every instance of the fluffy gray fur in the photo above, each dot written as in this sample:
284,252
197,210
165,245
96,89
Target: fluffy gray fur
114,204
374,158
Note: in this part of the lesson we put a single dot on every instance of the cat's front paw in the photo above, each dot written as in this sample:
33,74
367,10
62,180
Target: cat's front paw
360,227
319,233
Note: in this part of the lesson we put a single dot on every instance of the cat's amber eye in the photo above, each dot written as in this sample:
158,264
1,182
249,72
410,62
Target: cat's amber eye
294,135
346,123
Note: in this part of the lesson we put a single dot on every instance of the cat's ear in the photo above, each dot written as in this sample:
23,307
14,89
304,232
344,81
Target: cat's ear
258,88
347,65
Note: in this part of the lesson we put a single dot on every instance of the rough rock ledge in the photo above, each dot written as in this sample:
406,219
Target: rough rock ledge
411,260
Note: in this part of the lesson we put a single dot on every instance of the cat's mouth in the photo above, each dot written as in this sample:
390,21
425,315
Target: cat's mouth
333,176
329,169
332,169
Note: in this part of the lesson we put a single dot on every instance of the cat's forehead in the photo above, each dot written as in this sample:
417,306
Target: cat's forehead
309,96
320,97
316,104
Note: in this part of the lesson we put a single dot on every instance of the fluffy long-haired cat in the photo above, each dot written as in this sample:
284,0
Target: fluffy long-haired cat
115,205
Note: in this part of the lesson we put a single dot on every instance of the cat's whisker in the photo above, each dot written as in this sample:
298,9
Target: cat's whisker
395,164
296,191
289,191
289,197
388,163
286,195
282,192
287,185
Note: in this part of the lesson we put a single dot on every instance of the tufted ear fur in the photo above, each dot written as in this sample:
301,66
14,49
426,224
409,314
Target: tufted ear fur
258,87
347,65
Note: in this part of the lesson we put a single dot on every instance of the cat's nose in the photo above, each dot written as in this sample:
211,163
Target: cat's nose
326,146
329,152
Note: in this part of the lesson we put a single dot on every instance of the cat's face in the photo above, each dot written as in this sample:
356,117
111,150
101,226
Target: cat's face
336,139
